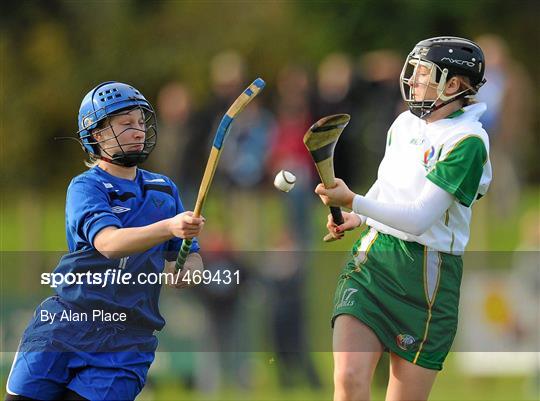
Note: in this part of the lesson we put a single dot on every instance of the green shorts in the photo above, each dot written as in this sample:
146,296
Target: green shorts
407,293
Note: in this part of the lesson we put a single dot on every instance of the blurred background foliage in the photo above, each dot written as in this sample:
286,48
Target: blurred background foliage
53,52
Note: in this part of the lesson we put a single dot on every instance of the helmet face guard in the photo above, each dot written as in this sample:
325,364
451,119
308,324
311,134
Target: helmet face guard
414,89
104,102
431,64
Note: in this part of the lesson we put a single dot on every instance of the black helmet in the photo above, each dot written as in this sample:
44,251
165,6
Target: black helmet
444,57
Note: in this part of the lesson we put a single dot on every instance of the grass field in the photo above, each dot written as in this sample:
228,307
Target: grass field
449,386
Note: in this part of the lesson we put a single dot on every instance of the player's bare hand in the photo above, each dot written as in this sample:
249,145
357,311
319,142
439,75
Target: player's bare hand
350,222
340,195
185,225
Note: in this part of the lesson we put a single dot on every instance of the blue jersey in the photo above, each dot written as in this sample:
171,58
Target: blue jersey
95,200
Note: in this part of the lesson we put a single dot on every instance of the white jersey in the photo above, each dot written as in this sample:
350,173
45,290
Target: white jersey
453,153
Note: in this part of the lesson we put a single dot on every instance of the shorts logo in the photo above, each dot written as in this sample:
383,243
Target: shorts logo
346,298
405,341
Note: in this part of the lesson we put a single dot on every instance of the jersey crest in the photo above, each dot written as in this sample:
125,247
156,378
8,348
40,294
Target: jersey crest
429,158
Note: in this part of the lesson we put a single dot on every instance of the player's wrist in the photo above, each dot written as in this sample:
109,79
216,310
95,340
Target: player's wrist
349,200
356,204
357,219
168,225
361,219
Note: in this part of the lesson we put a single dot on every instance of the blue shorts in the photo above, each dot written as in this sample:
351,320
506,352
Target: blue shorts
97,361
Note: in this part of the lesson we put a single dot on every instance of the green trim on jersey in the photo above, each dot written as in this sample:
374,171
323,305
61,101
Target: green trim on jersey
460,171
456,113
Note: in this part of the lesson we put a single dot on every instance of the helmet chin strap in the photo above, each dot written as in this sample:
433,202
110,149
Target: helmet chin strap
461,95
129,159
441,105
125,159
446,99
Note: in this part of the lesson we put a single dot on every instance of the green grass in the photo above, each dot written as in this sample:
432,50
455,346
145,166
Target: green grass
451,385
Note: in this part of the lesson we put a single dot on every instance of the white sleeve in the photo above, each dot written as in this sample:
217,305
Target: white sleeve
414,217
371,194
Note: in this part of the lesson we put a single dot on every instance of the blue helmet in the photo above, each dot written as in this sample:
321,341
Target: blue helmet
108,99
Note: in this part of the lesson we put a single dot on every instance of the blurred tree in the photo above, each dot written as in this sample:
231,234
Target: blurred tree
53,52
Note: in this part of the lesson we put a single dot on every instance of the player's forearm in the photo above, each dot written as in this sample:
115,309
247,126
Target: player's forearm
371,194
414,217
115,243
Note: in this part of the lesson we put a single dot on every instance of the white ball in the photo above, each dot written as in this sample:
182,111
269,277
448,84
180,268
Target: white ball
284,181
